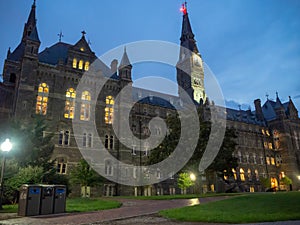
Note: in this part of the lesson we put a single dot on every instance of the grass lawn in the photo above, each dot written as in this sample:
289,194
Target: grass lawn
247,208
169,197
76,205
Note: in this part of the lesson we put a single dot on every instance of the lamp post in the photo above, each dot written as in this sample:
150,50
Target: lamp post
5,147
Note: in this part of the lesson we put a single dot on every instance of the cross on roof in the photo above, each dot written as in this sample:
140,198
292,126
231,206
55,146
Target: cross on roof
83,33
60,35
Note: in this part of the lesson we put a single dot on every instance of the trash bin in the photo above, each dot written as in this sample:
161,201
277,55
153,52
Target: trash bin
47,199
60,194
29,201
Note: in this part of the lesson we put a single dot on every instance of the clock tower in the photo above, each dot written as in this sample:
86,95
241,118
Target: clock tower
190,71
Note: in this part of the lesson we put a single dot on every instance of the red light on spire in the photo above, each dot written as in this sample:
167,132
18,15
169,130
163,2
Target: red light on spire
183,9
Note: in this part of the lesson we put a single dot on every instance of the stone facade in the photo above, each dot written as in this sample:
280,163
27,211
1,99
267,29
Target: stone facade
44,82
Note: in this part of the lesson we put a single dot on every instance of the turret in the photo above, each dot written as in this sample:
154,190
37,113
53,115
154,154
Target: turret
125,68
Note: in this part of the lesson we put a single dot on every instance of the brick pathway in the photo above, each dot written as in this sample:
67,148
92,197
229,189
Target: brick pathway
130,208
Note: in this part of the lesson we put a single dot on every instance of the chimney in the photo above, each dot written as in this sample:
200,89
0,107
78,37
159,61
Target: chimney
258,110
114,66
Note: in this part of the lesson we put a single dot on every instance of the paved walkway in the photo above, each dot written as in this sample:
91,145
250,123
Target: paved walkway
132,212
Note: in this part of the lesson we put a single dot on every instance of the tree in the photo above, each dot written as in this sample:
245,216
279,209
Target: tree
224,161
26,175
184,181
84,175
286,181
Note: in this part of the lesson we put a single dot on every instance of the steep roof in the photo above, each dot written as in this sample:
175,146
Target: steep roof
125,60
243,116
18,53
56,52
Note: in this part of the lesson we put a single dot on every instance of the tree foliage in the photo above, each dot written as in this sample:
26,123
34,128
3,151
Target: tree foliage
224,161
184,181
84,175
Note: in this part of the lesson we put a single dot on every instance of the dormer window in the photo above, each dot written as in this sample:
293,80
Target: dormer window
80,65
87,66
74,63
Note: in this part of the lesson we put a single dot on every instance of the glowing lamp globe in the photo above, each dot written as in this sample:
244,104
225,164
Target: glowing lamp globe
192,177
6,145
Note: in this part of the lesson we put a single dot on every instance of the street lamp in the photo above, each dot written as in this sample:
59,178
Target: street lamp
192,177
5,147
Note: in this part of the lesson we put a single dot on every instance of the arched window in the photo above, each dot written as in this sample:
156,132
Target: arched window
85,106
256,175
108,168
74,63
42,99
80,65
234,173
109,110
111,142
87,66
87,140
106,142
249,175
242,174
70,103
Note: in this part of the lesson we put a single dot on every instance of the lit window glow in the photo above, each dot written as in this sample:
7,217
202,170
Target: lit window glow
70,103
85,106
42,99
109,110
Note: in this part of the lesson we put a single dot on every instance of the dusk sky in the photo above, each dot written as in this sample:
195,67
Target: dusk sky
252,46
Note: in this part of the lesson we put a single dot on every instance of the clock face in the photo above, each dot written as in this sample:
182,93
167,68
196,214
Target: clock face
196,59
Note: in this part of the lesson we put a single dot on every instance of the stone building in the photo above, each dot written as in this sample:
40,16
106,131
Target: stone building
45,82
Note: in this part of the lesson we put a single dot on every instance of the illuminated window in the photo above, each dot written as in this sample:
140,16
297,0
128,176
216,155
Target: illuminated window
61,166
80,65
85,106
225,176
82,49
263,131
86,66
74,63
109,110
268,160
273,161
266,144
234,173
42,99
70,103
242,174
270,145
267,133
256,175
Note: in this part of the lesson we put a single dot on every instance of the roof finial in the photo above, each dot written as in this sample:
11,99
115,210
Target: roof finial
83,33
60,35
290,98
267,95
34,2
276,94
125,48
183,8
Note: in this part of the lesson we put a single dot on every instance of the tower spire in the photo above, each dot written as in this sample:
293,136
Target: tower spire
190,72
30,29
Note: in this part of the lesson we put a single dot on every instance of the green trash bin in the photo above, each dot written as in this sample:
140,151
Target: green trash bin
29,200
